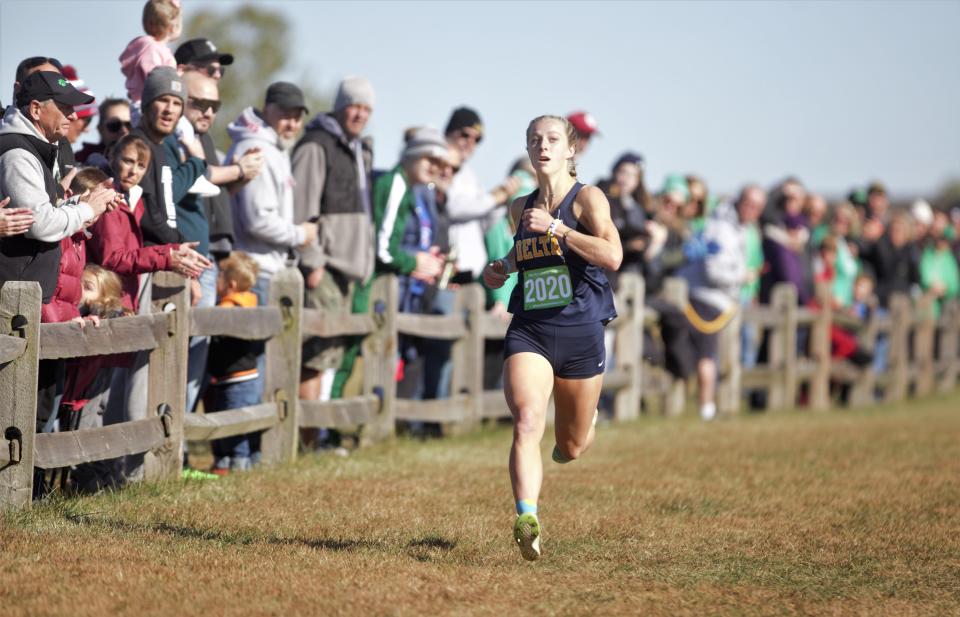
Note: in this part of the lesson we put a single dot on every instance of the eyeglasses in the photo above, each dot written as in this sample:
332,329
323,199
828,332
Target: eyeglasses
202,105
115,124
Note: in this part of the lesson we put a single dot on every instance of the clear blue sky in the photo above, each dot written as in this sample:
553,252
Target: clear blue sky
837,93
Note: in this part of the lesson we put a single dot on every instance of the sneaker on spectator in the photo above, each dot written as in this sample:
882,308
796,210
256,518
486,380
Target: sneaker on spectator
240,463
189,473
708,412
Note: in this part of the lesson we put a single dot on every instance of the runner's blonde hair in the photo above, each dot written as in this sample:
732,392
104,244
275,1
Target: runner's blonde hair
572,137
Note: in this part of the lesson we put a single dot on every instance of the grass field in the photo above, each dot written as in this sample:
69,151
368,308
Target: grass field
792,513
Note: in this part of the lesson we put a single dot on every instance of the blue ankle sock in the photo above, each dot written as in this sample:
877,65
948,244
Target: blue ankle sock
525,506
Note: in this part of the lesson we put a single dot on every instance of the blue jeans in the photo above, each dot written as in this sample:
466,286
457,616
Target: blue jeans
229,451
881,348
748,340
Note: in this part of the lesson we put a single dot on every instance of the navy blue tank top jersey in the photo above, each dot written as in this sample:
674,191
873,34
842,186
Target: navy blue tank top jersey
542,294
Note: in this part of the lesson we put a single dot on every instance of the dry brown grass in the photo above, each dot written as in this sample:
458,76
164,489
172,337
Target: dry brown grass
796,513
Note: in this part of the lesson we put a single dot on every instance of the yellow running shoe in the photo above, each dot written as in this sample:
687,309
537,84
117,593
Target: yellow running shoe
526,532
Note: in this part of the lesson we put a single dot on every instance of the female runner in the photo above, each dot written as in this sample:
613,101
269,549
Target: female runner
565,239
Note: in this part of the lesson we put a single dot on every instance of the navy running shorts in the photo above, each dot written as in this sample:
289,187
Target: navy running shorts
574,352
704,345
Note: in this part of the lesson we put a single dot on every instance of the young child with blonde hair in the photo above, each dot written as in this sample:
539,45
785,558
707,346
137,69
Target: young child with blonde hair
162,22
102,293
233,363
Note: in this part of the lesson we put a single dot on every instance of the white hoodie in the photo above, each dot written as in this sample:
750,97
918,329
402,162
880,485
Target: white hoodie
263,208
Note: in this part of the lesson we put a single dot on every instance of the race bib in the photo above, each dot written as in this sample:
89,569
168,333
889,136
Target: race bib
548,287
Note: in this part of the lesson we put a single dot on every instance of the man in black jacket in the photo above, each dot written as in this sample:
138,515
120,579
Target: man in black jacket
167,180
894,262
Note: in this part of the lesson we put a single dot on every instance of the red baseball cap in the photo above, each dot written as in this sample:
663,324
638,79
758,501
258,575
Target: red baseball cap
585,123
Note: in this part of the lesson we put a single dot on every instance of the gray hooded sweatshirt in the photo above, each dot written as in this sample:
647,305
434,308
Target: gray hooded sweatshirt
263,208
21,179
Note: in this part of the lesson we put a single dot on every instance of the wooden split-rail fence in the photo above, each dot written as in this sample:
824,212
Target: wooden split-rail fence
923,354
284,323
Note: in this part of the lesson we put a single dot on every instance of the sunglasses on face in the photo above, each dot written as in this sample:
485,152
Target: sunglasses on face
471,136
212,69
115,124
202,105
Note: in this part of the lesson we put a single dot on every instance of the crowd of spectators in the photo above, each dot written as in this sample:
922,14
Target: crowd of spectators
91,223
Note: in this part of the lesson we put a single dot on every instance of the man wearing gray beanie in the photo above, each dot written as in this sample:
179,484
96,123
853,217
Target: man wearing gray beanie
168,179
331,167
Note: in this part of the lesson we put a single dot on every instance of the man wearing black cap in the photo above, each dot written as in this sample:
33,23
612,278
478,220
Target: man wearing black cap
28,155
263,209
468,203
202,55
65,158
263,220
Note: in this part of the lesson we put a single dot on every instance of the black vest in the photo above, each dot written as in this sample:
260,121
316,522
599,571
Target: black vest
219,216
22,258
340,193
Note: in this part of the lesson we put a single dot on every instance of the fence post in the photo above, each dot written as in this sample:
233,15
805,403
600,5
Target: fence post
783,300
675,399
862,391
19,316
729,369
820,348
949,340
282,381
167,375
628,348
467,355
923,344
380,358
898,362
790,309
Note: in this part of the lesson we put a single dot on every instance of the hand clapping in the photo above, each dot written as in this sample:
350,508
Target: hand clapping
186,261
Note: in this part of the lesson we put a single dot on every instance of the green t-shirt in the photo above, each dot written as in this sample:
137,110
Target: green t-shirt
940,267
818,234
845,274
754,248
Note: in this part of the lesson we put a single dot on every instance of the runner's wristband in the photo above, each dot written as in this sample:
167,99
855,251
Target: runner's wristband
553,226
505,262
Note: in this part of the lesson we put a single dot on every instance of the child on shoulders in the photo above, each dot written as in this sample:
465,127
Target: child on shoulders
162,22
